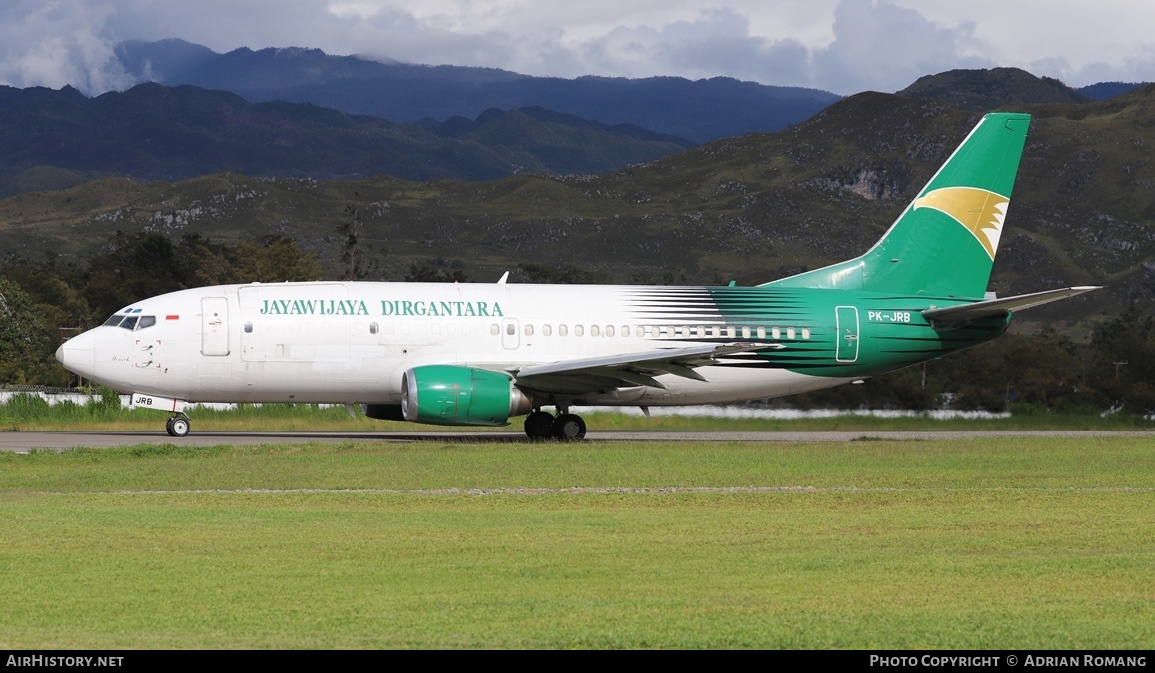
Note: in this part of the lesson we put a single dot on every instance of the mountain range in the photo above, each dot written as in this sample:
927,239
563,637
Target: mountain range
303,113
58,138
700,111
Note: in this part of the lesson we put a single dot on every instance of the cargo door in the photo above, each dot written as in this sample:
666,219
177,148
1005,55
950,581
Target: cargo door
846,329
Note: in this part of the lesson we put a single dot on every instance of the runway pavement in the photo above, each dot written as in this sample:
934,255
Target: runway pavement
61,441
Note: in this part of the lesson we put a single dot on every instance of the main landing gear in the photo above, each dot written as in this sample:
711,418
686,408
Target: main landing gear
565,426
178,426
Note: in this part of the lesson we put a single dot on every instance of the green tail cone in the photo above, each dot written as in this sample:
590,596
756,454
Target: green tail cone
944,243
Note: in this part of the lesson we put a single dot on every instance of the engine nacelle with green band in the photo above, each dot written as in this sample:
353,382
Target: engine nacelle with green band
452,395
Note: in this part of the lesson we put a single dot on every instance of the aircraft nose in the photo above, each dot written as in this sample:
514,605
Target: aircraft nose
78,354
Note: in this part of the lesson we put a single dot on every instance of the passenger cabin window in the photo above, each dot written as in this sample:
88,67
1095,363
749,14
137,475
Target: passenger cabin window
510,329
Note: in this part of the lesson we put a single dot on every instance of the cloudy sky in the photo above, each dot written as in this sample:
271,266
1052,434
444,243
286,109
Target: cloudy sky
843,46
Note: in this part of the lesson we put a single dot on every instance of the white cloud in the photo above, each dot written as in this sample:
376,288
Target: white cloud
1076,41
57,43
717,42
843,46
887,47
1138,67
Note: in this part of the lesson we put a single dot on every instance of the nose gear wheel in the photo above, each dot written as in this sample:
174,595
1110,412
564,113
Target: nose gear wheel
178,426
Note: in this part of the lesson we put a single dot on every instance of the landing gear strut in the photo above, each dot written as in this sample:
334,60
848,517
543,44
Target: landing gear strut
565,427
178,426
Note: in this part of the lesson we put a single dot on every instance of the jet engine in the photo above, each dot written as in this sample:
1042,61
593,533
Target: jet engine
451,395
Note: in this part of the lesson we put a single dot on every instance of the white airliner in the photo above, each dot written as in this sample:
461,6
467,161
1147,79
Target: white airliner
479,354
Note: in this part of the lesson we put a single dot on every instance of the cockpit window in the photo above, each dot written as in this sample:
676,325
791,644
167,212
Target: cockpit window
131,322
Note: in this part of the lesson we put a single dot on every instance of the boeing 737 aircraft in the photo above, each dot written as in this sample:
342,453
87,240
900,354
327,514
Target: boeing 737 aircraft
480,354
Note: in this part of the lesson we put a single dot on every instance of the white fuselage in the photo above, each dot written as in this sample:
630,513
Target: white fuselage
332,342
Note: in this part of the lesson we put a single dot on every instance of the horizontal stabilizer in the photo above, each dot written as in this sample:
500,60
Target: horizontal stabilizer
997,307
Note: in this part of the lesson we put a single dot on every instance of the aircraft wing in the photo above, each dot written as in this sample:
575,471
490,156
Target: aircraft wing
997,307
630,369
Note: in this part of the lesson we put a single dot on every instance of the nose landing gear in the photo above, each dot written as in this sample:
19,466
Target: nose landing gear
565,426
178,426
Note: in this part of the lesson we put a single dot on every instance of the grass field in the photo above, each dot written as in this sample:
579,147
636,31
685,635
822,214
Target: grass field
29,412
1013,543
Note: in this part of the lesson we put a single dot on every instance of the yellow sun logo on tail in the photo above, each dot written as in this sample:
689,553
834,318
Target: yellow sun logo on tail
982,212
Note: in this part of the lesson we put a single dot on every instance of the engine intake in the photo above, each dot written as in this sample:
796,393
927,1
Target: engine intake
450,395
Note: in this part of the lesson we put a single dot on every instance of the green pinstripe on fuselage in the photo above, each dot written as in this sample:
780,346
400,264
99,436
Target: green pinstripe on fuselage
891,331
884,343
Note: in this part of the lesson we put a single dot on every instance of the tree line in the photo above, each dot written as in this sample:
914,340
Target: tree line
43,301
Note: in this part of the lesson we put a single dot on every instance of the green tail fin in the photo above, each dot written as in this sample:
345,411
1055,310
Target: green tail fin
944,242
